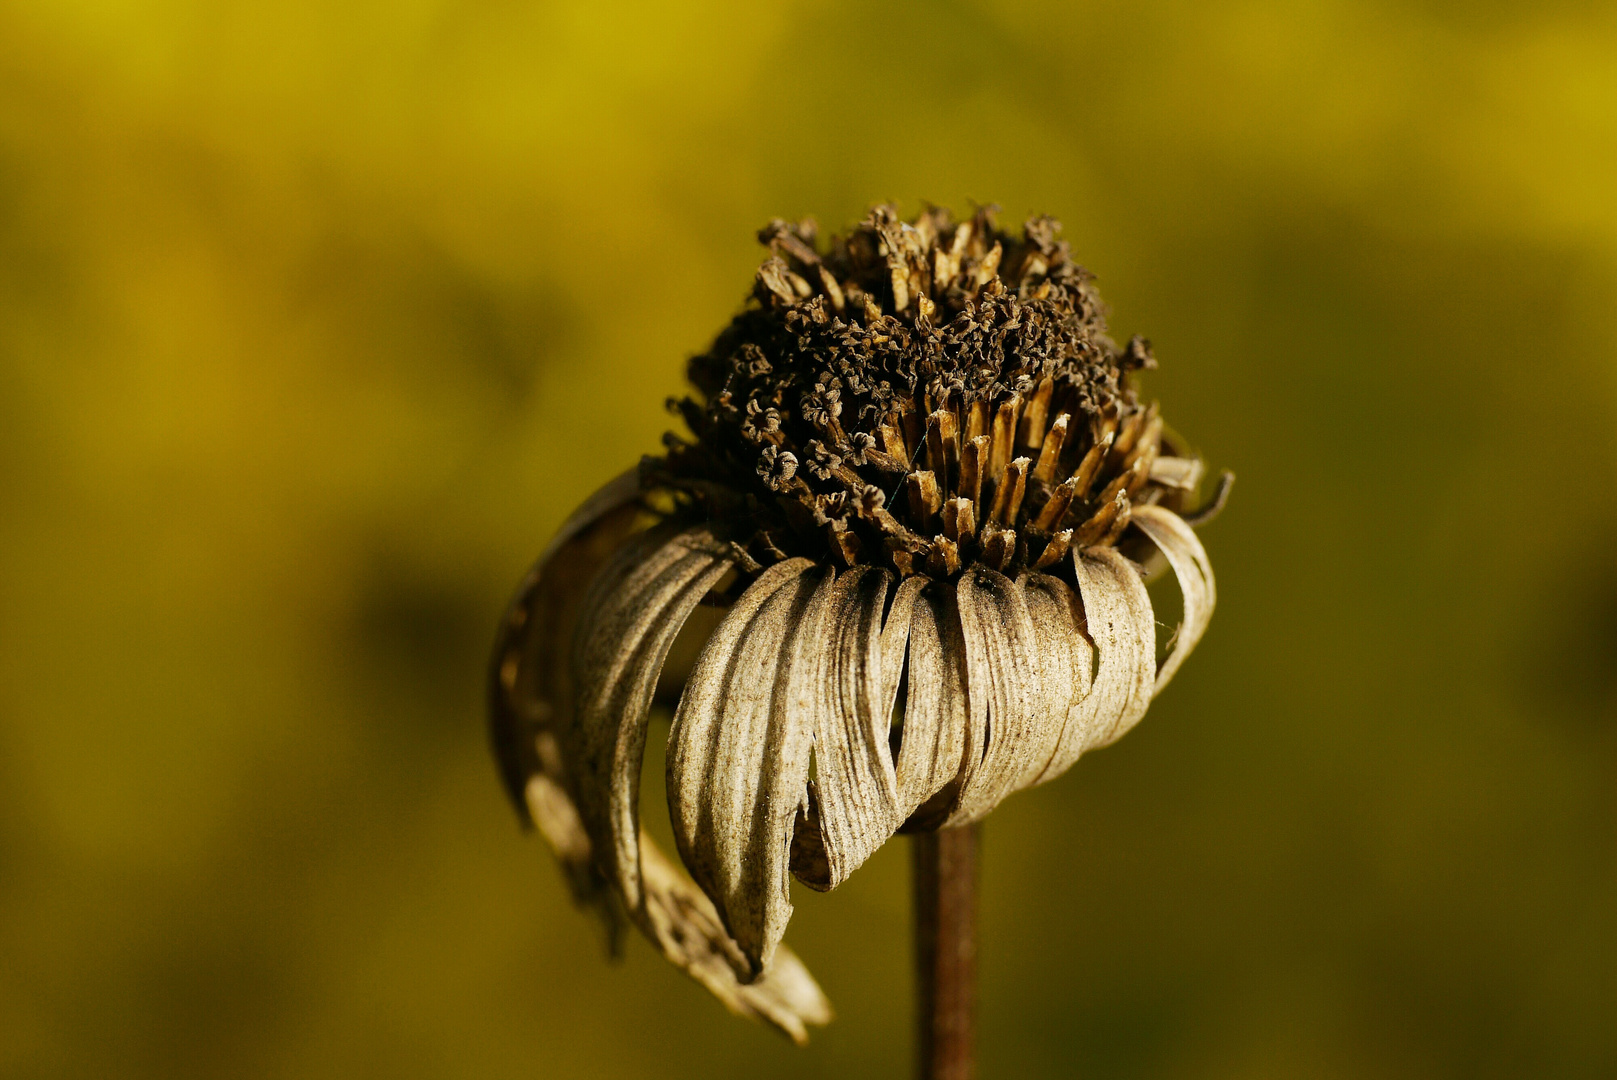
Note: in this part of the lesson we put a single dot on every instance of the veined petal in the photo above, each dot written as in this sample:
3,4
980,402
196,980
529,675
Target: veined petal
1190,565
1065,659
933,747
531,703
634,610
738,755
530,691
686,928
850,695
529,681
895,635
1002,670
1118,612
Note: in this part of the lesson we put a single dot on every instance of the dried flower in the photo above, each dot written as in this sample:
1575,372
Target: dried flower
916,465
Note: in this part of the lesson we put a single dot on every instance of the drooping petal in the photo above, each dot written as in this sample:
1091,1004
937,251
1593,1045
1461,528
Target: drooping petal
529,682
1065,660
854,795
1190,565
633,612
530,692
933,748
1002,670
895,635
684,925
1118,612
738,755
532,704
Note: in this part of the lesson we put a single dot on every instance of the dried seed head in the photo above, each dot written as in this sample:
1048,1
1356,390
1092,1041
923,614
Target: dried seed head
924,359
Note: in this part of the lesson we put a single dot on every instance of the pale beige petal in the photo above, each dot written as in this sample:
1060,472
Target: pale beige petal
683,924
1190,565
854,794
529,682
1065,662
530,691
738,754
531,704
1002,672
1118,614
933,755
895,635
632,614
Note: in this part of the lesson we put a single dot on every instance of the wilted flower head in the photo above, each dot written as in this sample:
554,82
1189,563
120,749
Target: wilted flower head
917,475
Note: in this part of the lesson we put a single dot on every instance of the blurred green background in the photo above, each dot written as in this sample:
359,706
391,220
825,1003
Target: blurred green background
316,319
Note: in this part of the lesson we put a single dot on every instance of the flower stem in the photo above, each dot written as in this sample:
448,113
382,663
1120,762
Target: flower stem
945,868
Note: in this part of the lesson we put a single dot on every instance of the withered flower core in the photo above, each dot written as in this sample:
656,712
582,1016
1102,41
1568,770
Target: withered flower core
921,396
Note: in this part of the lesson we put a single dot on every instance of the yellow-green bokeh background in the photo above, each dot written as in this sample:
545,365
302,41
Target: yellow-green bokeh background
316,319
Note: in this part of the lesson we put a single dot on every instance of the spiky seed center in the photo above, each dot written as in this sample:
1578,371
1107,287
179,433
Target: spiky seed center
920,395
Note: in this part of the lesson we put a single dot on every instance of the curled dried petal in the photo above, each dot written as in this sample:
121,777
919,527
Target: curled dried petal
1065,661
1002,672
738,755
1118,612
850,696
632,613
1190,565
932,755
531,716
681,921
528,672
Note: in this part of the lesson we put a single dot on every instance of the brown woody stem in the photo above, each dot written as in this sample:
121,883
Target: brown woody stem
945,866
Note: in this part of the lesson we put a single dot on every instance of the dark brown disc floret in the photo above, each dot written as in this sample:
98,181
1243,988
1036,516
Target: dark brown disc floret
921,395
